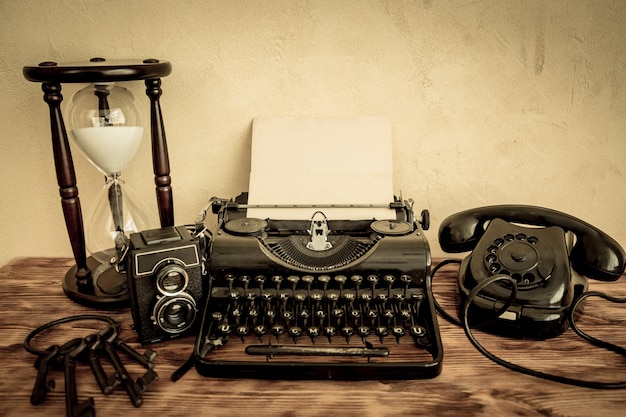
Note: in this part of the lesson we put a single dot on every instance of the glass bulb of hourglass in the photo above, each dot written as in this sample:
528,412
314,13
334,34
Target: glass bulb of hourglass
105,126
118,211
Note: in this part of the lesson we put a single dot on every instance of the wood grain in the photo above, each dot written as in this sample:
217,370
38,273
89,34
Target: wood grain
470,384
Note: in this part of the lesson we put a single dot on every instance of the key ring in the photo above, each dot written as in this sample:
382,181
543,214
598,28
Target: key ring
38,352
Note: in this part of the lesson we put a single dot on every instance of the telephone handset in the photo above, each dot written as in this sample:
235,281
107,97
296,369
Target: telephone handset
548,271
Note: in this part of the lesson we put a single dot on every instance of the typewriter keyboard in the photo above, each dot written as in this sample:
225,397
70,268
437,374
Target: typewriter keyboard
318,326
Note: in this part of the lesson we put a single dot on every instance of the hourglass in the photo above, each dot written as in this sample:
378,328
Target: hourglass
104,125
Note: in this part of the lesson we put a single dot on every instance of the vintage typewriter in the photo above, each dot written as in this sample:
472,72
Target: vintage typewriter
318,298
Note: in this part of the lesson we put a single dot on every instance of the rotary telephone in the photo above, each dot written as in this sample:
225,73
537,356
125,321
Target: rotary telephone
549,271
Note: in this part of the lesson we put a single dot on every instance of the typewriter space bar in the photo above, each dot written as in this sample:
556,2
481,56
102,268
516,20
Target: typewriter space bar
274,350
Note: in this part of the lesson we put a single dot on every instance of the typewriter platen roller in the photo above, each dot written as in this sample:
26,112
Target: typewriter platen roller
318,298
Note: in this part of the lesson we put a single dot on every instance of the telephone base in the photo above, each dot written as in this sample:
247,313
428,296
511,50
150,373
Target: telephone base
517,322
520,320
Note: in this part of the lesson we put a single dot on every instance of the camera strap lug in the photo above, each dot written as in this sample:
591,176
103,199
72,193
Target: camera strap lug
120,258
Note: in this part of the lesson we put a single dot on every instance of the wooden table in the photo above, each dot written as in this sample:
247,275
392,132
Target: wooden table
470,384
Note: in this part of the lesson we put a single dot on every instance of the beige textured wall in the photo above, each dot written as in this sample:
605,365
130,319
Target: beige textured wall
490,101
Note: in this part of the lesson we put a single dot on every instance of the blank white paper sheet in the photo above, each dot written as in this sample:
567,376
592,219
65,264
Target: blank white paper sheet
321,161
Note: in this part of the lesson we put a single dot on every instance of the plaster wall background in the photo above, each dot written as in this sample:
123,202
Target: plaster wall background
490,102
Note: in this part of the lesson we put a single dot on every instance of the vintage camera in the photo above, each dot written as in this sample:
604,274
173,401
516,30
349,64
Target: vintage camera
166,281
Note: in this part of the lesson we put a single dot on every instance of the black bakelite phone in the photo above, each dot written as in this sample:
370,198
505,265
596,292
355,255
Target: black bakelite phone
548,253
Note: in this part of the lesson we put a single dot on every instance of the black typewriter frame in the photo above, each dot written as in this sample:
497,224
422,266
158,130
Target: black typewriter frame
291,370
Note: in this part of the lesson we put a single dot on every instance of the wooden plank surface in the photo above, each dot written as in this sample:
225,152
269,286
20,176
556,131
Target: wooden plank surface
470,384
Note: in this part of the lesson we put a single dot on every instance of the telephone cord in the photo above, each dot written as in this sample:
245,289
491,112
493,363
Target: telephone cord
464,323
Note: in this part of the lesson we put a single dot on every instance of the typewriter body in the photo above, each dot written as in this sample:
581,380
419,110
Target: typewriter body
318,298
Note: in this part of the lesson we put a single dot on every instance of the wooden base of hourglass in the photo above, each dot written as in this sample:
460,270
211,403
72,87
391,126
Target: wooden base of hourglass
107,289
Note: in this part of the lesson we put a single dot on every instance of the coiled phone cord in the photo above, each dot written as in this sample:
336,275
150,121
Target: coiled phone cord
464,323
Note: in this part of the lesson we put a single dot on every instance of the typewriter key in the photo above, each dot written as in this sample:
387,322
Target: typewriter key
260,331
260,280
253,312
308,280
330,332
300,297
417,296
243,331
225,329
294,279
317,295
356,279
363,331
407,279
337,313
347,332
313,332
277,279
324,279
230,278
389,279
417,331
349,297
287,316
305,313
278,330
295,332
333,297
341,280
245,279
373,279
382,331
398,332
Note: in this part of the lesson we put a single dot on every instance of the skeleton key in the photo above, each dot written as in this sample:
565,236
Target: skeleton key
43,385
132,389
57,362
72,407
146,380
144,359
106,383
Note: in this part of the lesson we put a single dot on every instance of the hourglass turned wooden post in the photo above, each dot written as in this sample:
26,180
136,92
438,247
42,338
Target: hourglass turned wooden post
108,289
66,178
160,159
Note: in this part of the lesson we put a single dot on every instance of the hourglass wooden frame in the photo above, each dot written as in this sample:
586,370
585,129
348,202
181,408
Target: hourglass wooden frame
79,283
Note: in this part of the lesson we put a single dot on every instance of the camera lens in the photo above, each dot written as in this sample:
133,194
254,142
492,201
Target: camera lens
175,314
172,279
173,282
